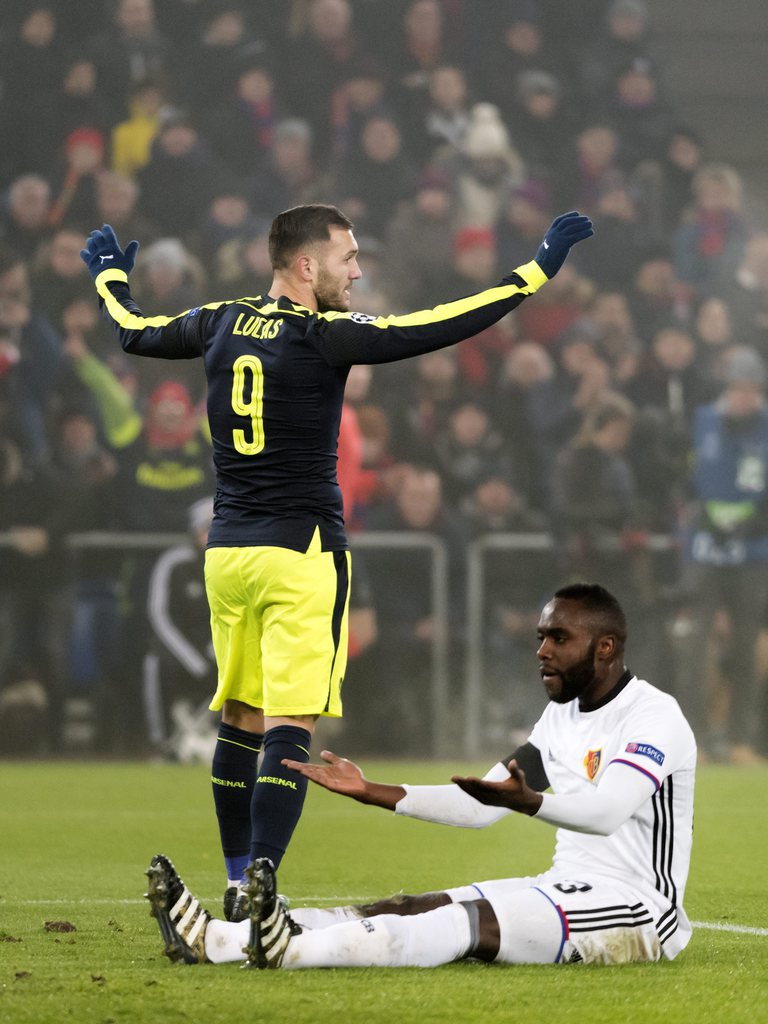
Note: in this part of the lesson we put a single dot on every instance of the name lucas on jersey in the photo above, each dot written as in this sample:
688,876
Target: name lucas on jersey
259,327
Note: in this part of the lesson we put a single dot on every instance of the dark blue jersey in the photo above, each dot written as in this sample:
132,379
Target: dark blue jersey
276,375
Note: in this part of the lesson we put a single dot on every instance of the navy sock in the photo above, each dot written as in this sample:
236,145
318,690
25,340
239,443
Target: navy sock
233,776
279,793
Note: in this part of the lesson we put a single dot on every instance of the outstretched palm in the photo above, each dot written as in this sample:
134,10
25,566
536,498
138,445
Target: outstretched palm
339,774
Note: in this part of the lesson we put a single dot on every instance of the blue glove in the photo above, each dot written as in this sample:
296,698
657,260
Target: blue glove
565,231
102,252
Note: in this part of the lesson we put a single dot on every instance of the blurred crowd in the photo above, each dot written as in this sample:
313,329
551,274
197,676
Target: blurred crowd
622,411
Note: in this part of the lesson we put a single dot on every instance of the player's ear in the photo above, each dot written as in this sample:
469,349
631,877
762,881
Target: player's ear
605,647
305,266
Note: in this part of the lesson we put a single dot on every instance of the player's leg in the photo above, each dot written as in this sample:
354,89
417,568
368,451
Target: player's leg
439,936
233,777
570,921
236,640
402,905
304,651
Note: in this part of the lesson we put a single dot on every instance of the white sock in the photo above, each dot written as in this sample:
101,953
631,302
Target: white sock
388,940
224,940
316,917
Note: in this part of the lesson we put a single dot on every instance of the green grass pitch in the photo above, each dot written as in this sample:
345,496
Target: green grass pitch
76,838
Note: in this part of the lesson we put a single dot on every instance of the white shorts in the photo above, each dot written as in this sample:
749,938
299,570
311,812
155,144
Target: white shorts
546,920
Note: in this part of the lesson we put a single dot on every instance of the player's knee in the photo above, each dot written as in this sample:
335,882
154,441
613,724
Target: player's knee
531,928
242,716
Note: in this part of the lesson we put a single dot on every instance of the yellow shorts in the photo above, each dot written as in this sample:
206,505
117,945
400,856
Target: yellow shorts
279,626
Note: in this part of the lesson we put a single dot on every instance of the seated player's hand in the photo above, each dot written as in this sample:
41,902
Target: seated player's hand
564,232
339,774
102,252
513,793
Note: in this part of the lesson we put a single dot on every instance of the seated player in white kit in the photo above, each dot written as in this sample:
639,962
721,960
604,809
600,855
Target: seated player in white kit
620,759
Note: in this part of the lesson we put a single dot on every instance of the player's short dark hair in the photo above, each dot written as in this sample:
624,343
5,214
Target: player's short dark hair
300,226
604,610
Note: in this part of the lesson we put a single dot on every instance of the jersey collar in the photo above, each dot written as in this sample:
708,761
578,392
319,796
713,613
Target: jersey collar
620,684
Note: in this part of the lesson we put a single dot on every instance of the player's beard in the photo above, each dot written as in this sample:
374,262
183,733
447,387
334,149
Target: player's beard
575,680
329,294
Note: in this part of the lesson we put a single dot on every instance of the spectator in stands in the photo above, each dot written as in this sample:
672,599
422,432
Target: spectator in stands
291,175
657,296
169,277
207,68
30,362
26,219
518,44
242,128
617,338
486,171
419,242
525,369
710,243
88,620
164,462
643,121
76,177
541,122
664,187
597,167
560,405
132,139
713,329
623,39
242,266
469,449
623,236
551,317
57,278
32,60
326,52
372,186
131,50
181,175
361,95
179,663
419,402
402,598
595,500
745,289
727,552
227,220
26,508
117,201
526,214
75,104
424,45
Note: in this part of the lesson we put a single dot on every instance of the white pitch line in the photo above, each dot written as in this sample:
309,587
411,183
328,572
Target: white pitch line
713,926
742,929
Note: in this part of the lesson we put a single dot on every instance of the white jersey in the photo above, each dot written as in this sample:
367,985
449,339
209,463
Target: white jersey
644,728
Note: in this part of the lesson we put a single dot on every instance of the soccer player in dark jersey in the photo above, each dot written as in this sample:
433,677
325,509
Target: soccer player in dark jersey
277,565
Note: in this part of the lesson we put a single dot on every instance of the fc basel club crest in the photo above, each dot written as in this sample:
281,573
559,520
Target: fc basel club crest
592,762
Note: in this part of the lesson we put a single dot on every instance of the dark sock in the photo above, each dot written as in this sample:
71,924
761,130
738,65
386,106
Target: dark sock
233,776
278,796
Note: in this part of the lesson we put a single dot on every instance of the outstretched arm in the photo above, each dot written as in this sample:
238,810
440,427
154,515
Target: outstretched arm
348,338
167,337
445,805
622,790
341,775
